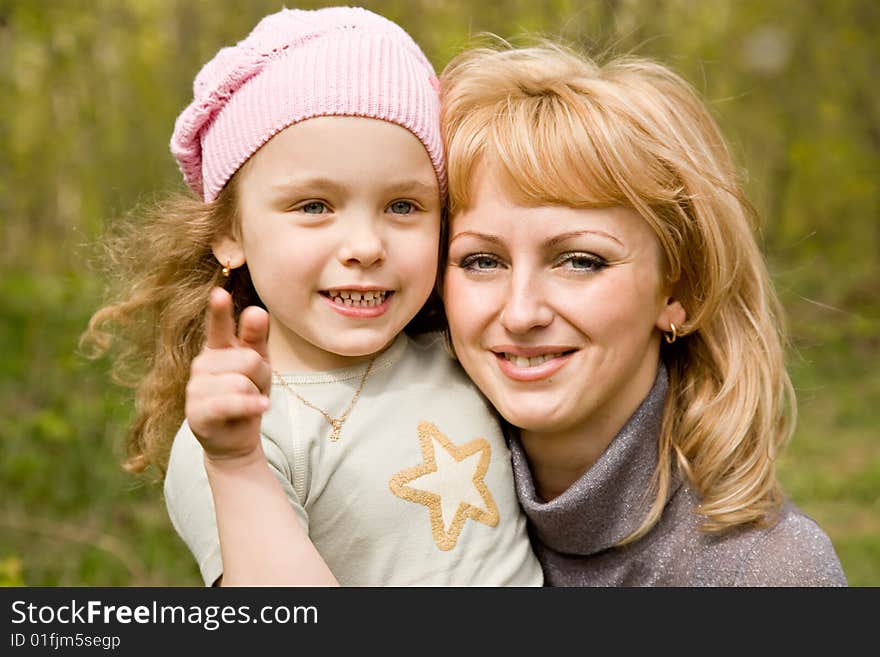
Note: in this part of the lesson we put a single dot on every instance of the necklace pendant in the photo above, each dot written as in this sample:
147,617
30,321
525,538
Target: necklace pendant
336,423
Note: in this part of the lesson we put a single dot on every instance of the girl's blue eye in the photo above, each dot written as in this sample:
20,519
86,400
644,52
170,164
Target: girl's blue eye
583,262
314,207
479,262
402,207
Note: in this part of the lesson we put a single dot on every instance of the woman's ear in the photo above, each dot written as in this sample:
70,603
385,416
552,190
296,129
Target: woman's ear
672,312
228,251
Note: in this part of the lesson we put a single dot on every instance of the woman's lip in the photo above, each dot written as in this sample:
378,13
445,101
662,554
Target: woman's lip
544,370
531,352
360,312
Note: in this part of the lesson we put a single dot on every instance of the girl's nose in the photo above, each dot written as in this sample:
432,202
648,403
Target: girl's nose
362,245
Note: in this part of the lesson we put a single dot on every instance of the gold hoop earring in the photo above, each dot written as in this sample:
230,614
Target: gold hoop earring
226,270
674,332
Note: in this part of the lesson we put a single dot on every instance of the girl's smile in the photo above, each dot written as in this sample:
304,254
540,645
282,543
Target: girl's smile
358,302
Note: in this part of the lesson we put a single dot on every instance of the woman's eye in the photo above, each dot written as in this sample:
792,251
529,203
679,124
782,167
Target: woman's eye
402,207
479,262
583,262
313,207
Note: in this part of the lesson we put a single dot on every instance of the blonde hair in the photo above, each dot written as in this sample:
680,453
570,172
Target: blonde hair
165,268
560,128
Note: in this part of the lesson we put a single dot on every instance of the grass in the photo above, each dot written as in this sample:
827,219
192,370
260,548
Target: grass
832,466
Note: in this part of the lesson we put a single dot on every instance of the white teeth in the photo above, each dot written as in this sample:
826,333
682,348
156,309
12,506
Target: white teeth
522,361
358,299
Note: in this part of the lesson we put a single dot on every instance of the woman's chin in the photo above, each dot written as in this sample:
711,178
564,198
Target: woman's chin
540,419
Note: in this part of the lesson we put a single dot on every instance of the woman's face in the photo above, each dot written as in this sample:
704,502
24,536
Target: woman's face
554,311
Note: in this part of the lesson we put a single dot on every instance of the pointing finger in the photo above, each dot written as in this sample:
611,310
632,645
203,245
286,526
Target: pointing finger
220,329
253,330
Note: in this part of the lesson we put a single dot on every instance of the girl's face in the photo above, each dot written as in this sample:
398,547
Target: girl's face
554,311
340,221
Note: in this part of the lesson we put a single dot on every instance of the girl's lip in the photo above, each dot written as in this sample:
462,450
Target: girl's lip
358,288
543,371
360,312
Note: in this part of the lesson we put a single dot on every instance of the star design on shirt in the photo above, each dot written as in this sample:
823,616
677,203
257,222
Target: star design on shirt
450,483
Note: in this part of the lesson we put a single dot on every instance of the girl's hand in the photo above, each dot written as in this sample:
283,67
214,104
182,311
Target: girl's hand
228,389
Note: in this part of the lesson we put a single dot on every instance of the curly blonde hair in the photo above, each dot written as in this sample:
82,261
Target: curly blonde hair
163,267
564,129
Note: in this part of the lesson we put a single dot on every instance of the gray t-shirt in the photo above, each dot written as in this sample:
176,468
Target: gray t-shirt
574,534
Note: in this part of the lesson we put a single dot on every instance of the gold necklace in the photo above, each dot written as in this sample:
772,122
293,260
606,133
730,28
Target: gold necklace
335,422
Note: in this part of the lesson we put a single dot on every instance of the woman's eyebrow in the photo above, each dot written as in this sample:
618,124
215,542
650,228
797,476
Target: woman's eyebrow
562,237
486,237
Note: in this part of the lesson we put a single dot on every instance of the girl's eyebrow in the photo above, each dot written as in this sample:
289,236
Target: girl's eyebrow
296,184
405,186
411,186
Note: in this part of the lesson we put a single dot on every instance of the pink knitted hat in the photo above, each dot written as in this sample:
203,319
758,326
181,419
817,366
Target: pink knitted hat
298,64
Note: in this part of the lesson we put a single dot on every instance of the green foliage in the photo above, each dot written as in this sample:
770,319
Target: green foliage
88,96
70,515
10,571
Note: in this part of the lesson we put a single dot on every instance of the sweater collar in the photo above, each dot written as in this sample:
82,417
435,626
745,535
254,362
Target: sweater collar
606,503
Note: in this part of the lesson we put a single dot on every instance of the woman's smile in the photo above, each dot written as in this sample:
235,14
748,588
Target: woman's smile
531,363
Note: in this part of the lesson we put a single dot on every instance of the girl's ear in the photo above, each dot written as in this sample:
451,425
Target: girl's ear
228,251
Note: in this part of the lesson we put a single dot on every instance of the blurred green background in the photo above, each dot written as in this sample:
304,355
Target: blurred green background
89,90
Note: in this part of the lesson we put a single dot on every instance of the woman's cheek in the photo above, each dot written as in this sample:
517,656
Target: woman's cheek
466,302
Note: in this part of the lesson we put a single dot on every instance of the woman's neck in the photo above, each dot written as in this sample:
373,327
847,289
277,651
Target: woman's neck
559,459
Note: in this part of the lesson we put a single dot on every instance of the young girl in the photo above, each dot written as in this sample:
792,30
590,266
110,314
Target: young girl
322,444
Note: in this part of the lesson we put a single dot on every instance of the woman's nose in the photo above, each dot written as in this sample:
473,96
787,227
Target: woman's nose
525,307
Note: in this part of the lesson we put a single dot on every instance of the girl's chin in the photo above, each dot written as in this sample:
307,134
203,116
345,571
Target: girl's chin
368,343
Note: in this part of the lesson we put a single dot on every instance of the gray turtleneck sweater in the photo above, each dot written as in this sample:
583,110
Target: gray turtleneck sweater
574,534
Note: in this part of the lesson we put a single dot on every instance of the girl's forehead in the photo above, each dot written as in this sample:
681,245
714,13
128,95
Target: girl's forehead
339,151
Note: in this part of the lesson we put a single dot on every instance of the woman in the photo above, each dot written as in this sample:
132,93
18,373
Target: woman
605,291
